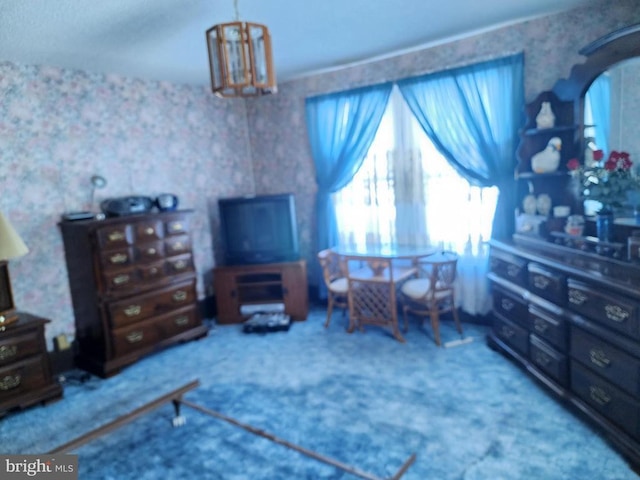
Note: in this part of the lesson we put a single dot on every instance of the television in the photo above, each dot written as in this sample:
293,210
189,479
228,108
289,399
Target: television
259,229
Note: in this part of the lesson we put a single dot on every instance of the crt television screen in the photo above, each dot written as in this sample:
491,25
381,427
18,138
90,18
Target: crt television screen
260,229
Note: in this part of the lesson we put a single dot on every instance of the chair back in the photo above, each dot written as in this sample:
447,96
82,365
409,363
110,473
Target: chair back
441,270
332,265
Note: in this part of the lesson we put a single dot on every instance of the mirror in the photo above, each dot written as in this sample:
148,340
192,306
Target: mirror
611,106
606,62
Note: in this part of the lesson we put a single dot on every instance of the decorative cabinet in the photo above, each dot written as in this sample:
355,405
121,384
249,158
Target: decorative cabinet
538,192
573,321
251,285
25,371
133,285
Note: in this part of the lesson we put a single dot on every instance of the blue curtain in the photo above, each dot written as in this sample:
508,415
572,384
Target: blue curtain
599,97
472,115
341,127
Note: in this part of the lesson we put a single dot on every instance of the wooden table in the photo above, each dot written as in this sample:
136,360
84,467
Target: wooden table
373,284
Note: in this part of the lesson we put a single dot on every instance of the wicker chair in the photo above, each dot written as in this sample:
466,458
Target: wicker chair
432,292
335,279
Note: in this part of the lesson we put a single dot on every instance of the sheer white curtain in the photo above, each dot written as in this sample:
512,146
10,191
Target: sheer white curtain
405,193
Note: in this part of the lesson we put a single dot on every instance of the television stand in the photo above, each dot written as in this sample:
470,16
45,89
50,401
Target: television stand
261,284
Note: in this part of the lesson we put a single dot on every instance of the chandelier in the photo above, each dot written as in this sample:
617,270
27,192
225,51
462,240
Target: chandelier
240,60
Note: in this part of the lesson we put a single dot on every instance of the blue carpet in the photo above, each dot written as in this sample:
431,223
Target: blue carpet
364,399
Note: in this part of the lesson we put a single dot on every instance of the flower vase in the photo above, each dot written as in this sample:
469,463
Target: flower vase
604,225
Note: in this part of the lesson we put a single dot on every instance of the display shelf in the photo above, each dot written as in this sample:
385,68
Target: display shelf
550,131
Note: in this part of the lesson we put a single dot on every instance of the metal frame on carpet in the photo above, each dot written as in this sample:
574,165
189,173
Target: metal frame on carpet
176,398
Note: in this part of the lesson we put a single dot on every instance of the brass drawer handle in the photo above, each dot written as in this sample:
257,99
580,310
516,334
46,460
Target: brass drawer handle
616,313
599,396
507,332
153,270
149,231
513,270
9,382
577,297
132,310
540,325
542,359
181,321
599,358
8,351
177,247
180,296
176,227
541,282
507,305
179,265
121,279
116,236
135,337
151,251
118,258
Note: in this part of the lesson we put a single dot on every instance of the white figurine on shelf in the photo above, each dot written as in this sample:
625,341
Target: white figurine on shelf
545,117
548,159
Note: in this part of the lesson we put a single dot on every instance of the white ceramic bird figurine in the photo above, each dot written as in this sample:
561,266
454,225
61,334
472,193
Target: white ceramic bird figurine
548,159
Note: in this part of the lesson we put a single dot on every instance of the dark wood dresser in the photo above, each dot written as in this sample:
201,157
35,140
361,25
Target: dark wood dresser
25,371
572,319
133,285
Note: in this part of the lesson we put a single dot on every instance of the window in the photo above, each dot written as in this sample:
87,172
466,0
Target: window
405,192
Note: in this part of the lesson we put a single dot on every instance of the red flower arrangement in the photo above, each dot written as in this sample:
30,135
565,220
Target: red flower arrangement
609,182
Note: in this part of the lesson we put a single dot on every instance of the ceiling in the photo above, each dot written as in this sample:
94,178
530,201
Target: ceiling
165,39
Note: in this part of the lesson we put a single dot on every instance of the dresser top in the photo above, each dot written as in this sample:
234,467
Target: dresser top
25,320
608,272
127,218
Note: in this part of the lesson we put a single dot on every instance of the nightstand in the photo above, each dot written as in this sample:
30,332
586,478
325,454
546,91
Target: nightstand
25,371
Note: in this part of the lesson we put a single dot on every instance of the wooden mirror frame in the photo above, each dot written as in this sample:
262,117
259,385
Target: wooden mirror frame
601,54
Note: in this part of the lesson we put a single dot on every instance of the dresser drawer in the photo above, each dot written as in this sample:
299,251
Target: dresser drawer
117,258
547,283
179,264
606,399
177,322
21,377
135,337
121,279
115,236
149,252
177,244
510,306
609,362
509,267
549,327
513,335
176,226
127,312
610,310
148,230
151,271
549,360
17,347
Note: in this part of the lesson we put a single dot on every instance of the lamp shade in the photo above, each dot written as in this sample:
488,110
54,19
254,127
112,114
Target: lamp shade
11,245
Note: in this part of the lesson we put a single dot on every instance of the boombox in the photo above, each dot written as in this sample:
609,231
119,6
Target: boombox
116,207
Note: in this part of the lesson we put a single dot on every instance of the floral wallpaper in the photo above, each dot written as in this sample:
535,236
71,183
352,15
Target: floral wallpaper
58,127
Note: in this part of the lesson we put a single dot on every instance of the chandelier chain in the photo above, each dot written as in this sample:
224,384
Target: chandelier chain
235,6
